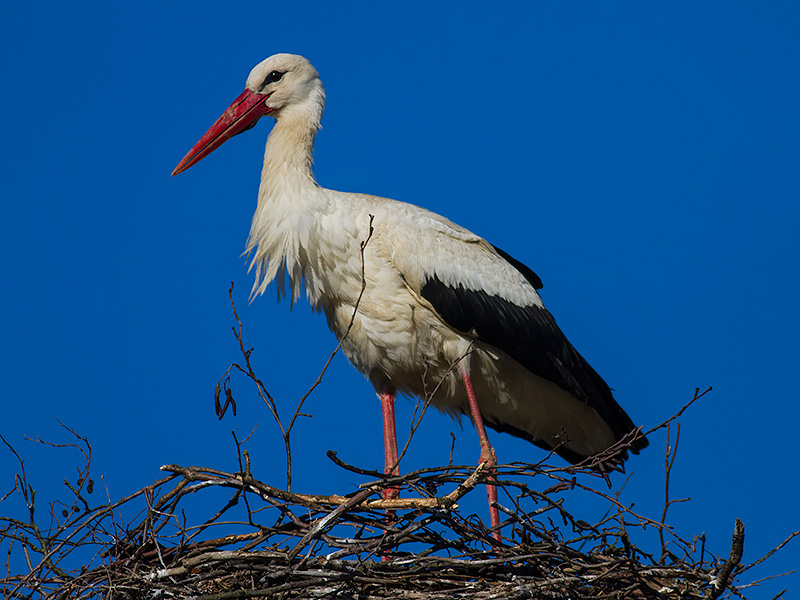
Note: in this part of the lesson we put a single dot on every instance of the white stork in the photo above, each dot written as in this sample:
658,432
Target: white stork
440,305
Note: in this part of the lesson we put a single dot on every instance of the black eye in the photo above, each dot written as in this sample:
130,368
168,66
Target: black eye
273,77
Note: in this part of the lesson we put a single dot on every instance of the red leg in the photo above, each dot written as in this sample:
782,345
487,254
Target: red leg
389,441
487,452
389,452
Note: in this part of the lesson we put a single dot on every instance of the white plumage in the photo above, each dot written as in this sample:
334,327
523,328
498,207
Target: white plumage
436,294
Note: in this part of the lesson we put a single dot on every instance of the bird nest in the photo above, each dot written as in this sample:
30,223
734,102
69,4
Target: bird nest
264,541
164,541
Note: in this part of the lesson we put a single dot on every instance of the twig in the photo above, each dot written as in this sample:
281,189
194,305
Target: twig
725,573
770,553
669,460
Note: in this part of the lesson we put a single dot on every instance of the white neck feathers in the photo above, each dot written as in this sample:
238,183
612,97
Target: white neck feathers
287,197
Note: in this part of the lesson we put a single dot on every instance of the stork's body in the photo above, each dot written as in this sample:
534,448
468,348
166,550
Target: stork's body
440,303
398,340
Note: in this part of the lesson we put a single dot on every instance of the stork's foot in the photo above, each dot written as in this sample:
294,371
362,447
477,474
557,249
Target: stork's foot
489,458
390,493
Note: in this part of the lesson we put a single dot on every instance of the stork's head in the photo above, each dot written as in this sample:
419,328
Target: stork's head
281,83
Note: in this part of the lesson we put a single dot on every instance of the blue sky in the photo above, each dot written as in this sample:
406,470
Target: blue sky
642,158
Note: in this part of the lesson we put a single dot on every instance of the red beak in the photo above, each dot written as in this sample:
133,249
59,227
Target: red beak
240,116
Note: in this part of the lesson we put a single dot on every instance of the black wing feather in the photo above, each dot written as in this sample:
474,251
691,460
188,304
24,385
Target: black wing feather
529,335
526,271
